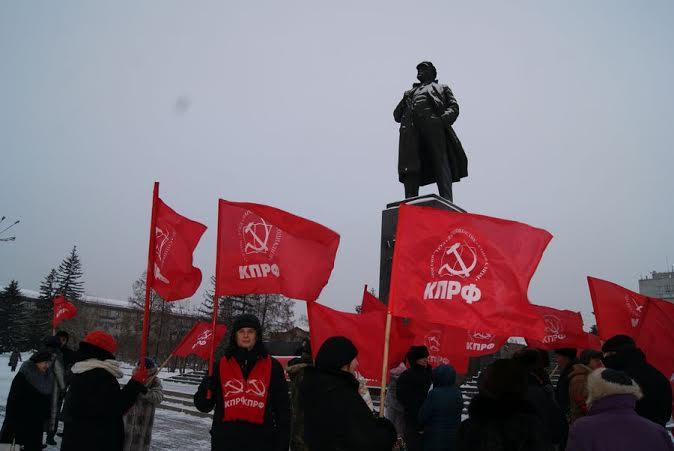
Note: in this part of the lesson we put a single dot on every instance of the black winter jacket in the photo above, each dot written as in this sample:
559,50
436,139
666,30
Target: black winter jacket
335,416
656,405
541,398
273,434
498,425
93,411
27,410
412,389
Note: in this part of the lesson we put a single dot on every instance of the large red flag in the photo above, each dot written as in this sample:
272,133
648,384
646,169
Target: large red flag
655,336
176,237
617,309
563,329
365,330
198,340
265,250
465,270
370,303
63,309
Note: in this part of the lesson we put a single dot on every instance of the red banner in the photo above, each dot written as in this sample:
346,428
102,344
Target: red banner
563,329
466,271
370,303
198,340
617,309
63,309
176,237
655,336
265,250
365,330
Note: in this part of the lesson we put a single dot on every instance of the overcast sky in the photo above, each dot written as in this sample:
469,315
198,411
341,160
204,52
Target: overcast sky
566,116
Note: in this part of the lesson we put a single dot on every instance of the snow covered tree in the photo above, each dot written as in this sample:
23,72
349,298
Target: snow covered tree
15,333
69,277
41,319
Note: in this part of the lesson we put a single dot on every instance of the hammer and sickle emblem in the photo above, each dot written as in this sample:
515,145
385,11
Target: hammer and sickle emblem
553,325
233,387
202,340
257,244
433,341
459,268
256,387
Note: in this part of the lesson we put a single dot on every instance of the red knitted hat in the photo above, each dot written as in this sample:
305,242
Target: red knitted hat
102,340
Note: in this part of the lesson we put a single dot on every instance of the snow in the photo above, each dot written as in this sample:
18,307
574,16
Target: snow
85,298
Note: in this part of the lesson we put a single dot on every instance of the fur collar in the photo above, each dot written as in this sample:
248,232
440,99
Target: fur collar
111,366
598,387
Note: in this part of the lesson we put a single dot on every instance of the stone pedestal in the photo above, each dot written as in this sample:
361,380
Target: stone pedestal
389,221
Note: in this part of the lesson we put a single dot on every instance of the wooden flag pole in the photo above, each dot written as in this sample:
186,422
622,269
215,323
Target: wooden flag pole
149,276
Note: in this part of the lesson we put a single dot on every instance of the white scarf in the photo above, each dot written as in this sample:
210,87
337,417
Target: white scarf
111,366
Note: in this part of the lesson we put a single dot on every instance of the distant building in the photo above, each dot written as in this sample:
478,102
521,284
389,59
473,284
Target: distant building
658,285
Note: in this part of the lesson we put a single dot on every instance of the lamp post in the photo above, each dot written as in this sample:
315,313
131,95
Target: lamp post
7,238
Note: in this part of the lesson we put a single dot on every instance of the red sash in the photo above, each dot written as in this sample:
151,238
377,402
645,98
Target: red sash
244,400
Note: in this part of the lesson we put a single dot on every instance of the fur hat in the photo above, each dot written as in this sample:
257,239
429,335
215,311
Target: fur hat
415,353
618,343
101,340
41,356
247,320
335,352
604,382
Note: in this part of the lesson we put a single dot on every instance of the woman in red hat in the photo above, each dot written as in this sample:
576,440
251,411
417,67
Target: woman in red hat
95,403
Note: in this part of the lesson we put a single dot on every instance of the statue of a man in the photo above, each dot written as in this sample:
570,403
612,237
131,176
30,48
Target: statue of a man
429,150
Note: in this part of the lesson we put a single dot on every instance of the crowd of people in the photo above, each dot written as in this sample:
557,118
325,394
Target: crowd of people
608,399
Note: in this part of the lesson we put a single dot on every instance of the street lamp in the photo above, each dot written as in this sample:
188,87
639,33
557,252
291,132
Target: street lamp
8,238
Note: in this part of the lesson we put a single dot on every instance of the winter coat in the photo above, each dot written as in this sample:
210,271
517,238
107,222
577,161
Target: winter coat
27,407
394,410
541,397
656,405
336,416
139,418
273,434
440,414
94,406
413,386
578,391
14,358
410,151
296,375
562,388
501,425
613,425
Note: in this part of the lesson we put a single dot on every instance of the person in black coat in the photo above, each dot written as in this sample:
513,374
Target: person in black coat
541,396
28,403
335,415
621,353
95,404
14,359
412,389
566,358
440,415
247,351
499,416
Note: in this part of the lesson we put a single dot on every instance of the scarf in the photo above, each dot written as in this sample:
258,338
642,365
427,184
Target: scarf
111,366
42,382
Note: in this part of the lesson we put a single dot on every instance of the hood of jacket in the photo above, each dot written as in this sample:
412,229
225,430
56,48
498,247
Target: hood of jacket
42,382
444,376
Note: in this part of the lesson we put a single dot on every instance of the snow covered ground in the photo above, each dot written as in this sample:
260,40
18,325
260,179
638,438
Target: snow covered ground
172,430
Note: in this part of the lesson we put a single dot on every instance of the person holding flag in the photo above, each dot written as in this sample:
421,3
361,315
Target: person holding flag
248,393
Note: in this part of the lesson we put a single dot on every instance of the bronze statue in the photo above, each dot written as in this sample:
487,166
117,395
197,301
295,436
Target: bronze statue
429,150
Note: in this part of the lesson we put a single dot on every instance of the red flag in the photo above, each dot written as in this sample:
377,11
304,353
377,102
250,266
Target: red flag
370,303
63,309
198,340
365,330
593,341
563,329
265,250
466,270
482,343
617,309
655,336
446,345
176,237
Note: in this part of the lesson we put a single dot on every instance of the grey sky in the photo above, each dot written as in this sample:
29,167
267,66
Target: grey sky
566,117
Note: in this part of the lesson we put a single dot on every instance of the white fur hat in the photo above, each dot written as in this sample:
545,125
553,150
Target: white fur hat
604,382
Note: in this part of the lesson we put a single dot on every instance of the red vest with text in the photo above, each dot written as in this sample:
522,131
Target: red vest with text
245,399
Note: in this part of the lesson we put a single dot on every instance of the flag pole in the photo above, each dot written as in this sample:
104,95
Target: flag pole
149,275
387,331
216,298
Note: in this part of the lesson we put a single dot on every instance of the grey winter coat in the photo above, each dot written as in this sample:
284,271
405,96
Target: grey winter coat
139,419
